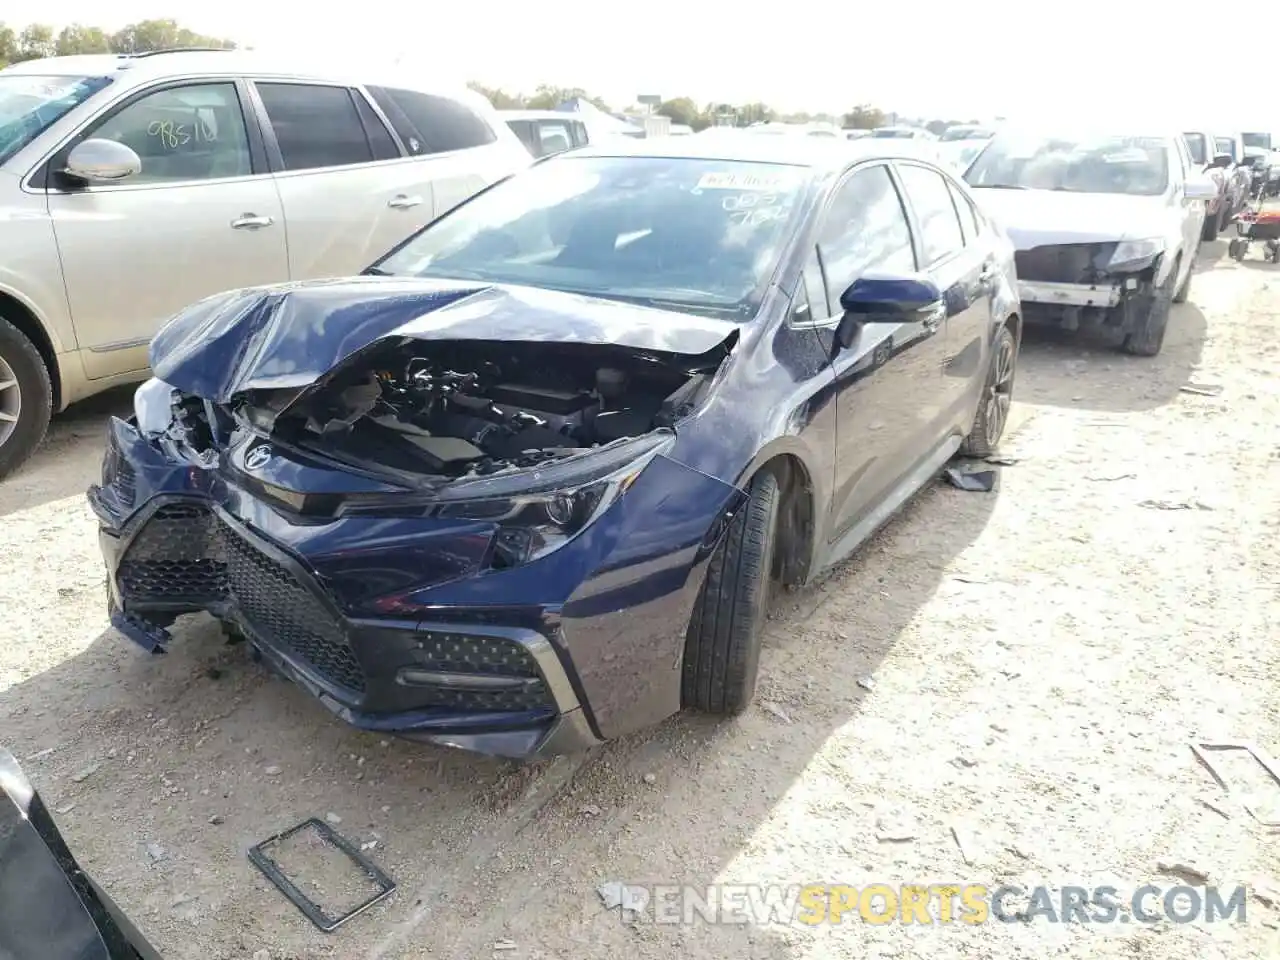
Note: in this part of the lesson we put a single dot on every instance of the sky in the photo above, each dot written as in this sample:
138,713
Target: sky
1087,59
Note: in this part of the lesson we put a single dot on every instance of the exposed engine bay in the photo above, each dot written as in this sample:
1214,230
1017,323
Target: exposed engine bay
473,408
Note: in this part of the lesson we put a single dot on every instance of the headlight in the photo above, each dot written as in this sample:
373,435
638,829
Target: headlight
153,407
1135,254
536,511
532,526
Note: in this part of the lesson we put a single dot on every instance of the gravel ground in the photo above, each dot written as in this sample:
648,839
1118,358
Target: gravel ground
1023,669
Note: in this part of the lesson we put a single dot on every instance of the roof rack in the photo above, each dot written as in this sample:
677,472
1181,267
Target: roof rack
156,53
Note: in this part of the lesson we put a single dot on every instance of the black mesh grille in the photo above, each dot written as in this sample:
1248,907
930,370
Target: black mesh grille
184,554
489,656
177,557
281,609
1064,263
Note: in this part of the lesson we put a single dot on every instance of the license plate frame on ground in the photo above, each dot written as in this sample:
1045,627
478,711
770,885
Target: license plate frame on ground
323,920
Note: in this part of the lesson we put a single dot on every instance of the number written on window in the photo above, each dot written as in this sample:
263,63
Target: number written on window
193,132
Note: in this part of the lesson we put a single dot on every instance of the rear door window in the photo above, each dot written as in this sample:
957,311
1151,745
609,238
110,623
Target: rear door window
940,233
432,124
315,125
968,216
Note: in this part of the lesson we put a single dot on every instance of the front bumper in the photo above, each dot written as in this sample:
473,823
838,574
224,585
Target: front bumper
1071,294
394,625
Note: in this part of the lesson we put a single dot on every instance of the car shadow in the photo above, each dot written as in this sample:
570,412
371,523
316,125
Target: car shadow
68,459
1211,252
1060,368
166,768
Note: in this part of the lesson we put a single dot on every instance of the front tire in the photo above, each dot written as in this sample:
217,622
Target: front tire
1148,340
26,398
722,644
997,398
1213,224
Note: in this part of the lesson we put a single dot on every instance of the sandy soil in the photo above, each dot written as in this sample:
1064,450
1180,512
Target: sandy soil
1026,667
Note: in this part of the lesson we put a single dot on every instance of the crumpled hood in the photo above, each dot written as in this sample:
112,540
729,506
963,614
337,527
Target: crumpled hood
1033,218
288,336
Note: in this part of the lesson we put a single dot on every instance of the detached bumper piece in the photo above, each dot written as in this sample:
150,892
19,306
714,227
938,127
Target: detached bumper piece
1072,286
490,688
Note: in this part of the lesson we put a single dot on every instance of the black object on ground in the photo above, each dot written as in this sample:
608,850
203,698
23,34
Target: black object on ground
974,481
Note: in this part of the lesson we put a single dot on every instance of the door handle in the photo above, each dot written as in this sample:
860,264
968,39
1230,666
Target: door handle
988,273
403,202
251,221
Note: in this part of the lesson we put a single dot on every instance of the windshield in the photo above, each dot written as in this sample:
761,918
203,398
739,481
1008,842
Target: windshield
893,133
701,235
30,104
1137,166
1262,140
1196,147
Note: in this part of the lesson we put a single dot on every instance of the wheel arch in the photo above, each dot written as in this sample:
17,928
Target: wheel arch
25,319
797,514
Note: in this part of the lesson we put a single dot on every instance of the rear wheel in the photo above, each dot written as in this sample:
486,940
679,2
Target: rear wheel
26,398
1148,339
997,398
722,645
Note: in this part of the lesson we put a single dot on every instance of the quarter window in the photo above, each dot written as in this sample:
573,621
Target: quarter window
940,232
315,125
431,124
864,228
555,137
195,132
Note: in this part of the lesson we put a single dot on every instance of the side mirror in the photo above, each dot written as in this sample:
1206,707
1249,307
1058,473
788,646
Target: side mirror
102,160
885,298
1221,161
1199,188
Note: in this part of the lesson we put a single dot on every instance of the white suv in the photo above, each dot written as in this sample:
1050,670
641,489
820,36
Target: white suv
131,186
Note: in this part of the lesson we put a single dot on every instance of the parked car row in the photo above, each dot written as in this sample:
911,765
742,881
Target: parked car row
134,185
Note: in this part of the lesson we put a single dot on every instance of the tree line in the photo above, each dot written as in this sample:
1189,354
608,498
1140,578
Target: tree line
38,40
686,111
41,40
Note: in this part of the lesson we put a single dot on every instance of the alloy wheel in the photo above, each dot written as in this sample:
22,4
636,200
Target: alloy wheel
1000,391
10,401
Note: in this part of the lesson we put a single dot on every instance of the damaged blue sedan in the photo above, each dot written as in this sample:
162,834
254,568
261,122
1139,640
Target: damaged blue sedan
525,484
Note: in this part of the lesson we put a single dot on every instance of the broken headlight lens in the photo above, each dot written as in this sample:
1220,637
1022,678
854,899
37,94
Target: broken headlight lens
532,526
1135,254
153,404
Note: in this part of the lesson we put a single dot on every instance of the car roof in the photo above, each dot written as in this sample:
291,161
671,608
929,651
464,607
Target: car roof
820,154
136,69
538,115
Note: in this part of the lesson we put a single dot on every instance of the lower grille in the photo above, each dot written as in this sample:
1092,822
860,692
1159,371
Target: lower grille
177,557
497,657
1064,262
186,556
277,606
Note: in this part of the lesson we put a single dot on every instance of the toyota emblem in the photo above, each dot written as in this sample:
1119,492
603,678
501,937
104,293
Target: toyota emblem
257,457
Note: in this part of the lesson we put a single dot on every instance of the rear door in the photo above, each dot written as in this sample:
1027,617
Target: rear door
460,152
960,269
203,215
349,194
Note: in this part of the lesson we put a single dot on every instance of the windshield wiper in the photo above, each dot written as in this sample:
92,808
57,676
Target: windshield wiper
1001,186
376,272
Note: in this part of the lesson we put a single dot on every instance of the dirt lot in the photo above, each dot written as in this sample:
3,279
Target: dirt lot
1033,664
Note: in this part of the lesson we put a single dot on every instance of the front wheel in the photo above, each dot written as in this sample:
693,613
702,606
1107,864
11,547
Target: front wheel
997,398
1213,223
26,398
1148,339
722,644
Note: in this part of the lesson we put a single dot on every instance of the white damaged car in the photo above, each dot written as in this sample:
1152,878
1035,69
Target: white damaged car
1106,226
